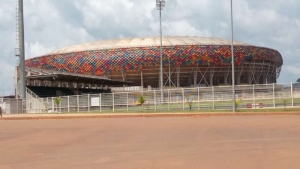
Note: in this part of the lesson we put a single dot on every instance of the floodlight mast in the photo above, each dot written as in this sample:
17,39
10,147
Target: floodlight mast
232,63
22,51
160,4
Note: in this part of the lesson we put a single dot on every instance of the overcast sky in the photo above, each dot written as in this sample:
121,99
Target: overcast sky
53,24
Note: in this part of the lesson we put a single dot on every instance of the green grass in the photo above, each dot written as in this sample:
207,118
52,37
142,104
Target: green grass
139,110
204,107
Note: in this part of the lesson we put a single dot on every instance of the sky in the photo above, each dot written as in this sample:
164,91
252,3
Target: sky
54,24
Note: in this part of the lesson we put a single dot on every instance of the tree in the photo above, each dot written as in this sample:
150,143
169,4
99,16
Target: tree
298,80
57,101
142,100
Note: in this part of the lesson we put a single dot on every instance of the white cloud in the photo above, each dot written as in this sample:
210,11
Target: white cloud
53,24
36,49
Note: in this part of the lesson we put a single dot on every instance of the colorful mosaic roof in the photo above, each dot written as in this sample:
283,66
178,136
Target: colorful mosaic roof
97,62
145,42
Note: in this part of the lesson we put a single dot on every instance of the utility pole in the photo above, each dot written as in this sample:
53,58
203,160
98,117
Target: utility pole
160,4
21,49
232,63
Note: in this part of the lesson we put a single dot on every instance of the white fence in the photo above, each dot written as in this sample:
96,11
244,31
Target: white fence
11,106
179,99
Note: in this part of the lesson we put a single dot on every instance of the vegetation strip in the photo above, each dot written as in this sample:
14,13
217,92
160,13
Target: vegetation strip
77,116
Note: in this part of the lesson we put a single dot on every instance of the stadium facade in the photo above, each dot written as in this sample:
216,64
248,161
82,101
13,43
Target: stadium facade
187,61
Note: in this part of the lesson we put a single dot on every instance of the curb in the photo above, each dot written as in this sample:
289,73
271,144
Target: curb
86,116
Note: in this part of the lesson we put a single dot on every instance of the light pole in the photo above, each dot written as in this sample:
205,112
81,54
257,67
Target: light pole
22,50
232,62
160,4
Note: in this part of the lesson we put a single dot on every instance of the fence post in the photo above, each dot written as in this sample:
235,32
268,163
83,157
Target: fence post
182,99
68,104
292,95
100,106
88,102
127,101
22,106
40,107
77,103
198,98
274,103
47,104
155,100
168,99
213,95
113,98
254,96
52,99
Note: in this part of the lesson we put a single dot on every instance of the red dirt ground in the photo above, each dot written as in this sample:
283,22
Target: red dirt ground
232,142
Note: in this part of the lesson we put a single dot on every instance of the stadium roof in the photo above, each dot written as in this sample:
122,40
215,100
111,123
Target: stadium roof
143,42
42,74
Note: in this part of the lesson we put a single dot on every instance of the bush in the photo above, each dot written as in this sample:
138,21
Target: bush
238,102
57,100
190,102
142,100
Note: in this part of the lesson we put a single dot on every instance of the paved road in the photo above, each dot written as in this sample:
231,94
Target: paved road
232,142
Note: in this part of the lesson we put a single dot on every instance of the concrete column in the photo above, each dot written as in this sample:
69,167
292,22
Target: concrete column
123,75
264,78
28,81
269,79
257,78
142,80
249,81
195,78
178,76
273,79
238,80
158,80
211,82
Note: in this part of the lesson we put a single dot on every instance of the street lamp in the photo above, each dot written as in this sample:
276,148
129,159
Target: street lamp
232,62
160,4
22,49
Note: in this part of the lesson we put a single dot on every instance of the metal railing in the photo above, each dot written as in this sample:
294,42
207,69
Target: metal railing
179,99
31,94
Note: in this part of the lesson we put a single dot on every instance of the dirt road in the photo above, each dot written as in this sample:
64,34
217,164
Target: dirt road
232,142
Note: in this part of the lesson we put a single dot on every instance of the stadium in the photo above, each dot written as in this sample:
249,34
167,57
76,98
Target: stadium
187,62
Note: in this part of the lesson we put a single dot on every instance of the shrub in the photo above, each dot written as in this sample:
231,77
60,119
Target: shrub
238,102
142,100
190,102
57,101
284,102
